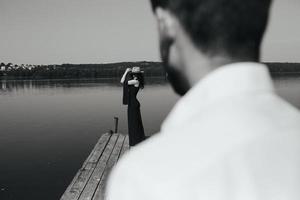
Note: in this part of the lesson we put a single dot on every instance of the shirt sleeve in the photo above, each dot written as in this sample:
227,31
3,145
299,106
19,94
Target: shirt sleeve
123,184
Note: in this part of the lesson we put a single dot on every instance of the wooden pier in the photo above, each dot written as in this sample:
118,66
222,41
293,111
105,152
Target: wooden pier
89,182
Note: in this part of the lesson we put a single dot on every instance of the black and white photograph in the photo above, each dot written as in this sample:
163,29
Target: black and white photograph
149,100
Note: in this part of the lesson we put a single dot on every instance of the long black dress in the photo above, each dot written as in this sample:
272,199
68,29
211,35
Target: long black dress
135,124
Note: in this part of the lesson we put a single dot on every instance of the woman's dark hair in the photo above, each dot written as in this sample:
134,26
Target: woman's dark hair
231,26
141,79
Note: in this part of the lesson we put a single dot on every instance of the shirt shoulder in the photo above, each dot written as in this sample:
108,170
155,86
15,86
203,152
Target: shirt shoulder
132,171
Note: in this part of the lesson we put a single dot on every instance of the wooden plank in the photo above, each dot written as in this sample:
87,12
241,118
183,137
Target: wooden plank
88,168
125,146
101,167
100,191
97,151
90,181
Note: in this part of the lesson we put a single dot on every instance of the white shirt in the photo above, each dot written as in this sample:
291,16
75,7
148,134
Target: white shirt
229,138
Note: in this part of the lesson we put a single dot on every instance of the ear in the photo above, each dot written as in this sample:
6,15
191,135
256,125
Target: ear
166,22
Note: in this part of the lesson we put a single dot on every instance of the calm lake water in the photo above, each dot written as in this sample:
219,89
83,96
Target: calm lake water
48,128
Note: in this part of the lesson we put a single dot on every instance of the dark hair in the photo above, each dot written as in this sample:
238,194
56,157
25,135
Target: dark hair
235,27
141,79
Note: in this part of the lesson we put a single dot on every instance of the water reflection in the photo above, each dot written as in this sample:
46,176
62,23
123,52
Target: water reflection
13,86
288,87
47,128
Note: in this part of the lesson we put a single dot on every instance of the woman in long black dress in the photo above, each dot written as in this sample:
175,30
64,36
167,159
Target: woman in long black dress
133,81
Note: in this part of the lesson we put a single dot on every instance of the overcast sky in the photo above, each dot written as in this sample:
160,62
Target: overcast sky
101,31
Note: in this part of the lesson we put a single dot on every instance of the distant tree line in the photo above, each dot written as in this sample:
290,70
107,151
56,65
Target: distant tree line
70,71
113,70
284,68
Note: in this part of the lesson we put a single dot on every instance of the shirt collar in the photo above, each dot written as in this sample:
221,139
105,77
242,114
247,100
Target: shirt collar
226,81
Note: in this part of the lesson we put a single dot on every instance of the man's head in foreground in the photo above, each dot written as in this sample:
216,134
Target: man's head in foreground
197,36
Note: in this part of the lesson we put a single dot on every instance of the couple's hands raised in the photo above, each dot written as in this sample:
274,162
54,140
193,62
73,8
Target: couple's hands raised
124,75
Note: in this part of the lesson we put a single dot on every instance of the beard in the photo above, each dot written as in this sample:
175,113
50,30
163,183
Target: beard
176,78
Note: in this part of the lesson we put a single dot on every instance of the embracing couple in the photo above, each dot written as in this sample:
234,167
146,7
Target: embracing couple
133,81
